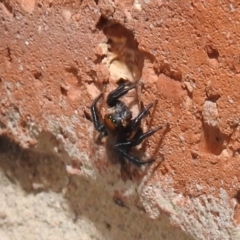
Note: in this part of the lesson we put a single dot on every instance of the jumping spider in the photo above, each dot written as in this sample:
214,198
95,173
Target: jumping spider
122,132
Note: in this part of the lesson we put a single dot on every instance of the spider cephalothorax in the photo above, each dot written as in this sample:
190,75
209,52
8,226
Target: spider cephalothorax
122,132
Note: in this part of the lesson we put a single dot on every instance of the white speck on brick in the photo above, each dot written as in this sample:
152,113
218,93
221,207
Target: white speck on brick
210,113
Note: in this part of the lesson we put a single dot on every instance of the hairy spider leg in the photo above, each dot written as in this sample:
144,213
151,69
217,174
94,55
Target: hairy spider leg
113,96
153,113
137,121
121,147
99,126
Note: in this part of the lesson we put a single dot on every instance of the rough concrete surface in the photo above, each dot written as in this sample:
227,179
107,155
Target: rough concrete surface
40,200
56,57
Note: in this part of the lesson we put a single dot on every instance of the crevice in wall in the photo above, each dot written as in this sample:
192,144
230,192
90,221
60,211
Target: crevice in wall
120,52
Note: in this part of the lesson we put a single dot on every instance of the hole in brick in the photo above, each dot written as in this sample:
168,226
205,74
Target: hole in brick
63,91
194,155
37,75
122,81
9,54
87,115
101,22
214,98
212,52
108,226
99,59
49,98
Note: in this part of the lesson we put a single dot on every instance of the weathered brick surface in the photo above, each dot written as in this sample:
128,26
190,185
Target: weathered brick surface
57,56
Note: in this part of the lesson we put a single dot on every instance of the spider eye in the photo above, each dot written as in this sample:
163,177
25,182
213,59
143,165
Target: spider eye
113,120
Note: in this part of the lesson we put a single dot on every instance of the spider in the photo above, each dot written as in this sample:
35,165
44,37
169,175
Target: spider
122,132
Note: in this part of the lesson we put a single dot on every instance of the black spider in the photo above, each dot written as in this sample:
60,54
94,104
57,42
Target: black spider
121,130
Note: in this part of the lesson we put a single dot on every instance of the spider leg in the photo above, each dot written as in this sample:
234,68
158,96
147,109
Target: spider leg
151,120
96,120
144,112
152,114
113,96
134,160
123,147
137,139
